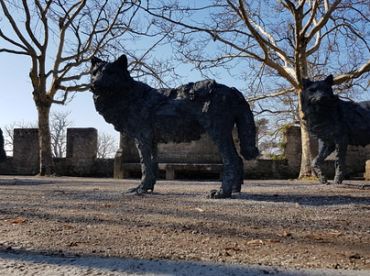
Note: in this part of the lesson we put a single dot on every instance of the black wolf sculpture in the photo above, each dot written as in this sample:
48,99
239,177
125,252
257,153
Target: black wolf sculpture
151,116
2,151
336,123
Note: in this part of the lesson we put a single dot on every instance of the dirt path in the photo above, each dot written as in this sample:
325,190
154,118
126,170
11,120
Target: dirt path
275,224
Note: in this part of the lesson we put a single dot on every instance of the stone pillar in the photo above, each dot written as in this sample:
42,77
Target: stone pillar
26,151
127,153
356,159
293,147
82,146
367,170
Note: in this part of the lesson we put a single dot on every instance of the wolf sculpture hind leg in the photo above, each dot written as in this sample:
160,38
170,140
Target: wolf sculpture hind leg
149,166
233,170
325,149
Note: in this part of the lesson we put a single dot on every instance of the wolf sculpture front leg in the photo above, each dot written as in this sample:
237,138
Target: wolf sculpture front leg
149,166
325,149
340,162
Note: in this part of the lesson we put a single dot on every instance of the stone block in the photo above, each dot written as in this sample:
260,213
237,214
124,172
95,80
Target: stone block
293,147
367,170
26,151
82,146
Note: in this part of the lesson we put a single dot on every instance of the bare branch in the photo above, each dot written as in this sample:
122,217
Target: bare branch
16,30
284,71
321,23
30,32
73,88
354,74
314,8
275,94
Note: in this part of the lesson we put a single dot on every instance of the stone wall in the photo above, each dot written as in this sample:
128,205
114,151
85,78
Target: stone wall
80,160
293,147
187,160
201,157
195,159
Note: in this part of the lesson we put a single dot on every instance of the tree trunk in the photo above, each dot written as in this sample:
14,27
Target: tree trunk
46,159
306,157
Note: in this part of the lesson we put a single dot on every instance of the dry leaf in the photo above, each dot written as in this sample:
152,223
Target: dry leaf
18,220
255,242
72,244
232,248
335,233
68,227
286,234
273,241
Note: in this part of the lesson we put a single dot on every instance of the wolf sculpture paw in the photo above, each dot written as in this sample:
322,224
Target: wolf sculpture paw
140,190
338,180
323,180
216,194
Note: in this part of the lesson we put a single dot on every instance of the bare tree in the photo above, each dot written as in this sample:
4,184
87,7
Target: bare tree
107,145
8,132
59,122
59,37
281,42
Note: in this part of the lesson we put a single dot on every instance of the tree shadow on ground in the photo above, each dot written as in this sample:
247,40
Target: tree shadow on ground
53,262
308,200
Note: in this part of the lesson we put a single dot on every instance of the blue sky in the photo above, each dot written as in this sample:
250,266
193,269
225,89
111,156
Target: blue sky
17,105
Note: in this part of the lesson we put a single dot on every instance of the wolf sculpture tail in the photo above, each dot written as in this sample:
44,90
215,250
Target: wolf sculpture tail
247,133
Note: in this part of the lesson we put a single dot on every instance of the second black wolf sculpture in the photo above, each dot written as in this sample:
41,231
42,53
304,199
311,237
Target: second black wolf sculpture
336,123
151,116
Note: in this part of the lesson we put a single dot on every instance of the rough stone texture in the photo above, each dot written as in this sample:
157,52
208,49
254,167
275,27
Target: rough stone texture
355,159
367,170
336,123
26,151
152,116
293,147
127,153
81,150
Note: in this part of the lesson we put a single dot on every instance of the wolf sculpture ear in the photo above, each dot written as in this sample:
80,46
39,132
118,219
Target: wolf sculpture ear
95,60
122,61
306,82
330,80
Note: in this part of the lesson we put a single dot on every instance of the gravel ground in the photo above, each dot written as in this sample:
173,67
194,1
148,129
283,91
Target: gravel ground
80,226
